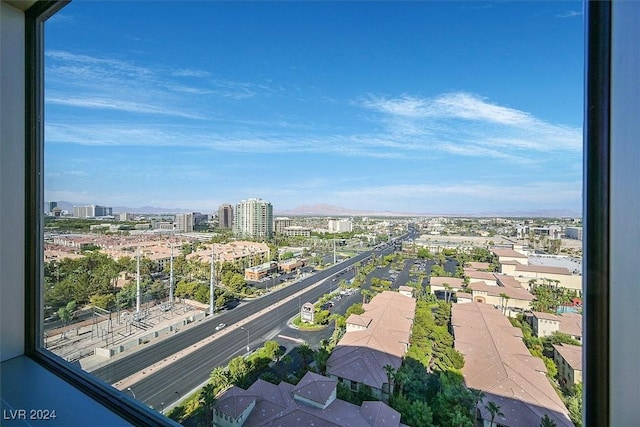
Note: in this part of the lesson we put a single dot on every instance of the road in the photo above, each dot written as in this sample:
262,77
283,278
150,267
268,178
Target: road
162,388
138,361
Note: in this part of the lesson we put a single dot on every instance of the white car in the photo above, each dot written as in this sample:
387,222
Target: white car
221,326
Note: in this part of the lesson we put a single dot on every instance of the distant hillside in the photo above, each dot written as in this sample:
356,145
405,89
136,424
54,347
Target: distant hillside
68,206
322,209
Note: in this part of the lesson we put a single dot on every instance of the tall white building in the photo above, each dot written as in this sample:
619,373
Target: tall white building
91,211
253,218
340,225
184,223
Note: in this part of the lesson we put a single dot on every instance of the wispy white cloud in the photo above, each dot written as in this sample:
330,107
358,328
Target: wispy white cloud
184,72
467,124
119,105
403,127
570,14
125,85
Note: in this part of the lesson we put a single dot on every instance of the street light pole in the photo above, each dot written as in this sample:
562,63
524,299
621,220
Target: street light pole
132,393
245,329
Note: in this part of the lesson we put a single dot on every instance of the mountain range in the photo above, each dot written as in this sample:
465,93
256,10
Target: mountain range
323,209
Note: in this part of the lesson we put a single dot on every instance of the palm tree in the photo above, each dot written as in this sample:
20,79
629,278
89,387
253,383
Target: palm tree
494,409
447,292
305,353
322,356
365,294
286,360
207,400
400,378
477,396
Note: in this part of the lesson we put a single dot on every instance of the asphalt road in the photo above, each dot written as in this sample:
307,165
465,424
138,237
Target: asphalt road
139,360
162,388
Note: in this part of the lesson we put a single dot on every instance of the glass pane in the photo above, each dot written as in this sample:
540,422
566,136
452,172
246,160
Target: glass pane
295,147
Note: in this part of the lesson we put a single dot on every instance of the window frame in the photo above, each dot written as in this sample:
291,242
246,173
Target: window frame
114,400
596,213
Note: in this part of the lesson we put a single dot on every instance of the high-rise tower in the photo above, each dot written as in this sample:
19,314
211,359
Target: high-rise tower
225,216
253,218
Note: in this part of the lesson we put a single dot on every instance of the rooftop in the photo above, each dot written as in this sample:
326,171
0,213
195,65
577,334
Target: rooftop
499,364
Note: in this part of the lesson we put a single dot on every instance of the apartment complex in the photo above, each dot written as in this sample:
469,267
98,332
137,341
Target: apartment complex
340,225
253,219
281,223
498,363
184,223
91,211
312,402
378,337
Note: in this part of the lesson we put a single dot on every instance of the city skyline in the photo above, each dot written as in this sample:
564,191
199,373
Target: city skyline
443,108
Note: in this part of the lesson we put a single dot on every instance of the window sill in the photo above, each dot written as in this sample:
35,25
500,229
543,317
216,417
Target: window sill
29,392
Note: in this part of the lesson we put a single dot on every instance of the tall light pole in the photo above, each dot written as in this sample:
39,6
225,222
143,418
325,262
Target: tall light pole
212,283
245,329
171,278
132,393
138,291
334,251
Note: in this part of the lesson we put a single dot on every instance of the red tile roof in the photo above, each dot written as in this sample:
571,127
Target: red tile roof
498,363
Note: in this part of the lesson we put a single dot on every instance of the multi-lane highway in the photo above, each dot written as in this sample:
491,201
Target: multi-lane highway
161,388
219,351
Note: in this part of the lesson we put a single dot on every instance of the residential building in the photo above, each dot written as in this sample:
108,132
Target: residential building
378,337
340,226
281,223
568,359
532,275
184,223
312,402
253,219
225,216
297,230
499,364
545,324
91,211
505,255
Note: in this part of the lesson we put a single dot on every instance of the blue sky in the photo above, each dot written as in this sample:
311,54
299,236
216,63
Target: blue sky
424,107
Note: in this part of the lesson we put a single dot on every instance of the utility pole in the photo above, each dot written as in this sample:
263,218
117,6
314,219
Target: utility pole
138,291
212,284
334,251
171,278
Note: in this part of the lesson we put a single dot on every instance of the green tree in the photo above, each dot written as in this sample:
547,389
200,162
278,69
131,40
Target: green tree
305,353
238,371
207,400
390,371
477,396
220,378
273,350
66,313
423,253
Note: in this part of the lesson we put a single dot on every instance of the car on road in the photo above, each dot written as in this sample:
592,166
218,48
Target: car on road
221,326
